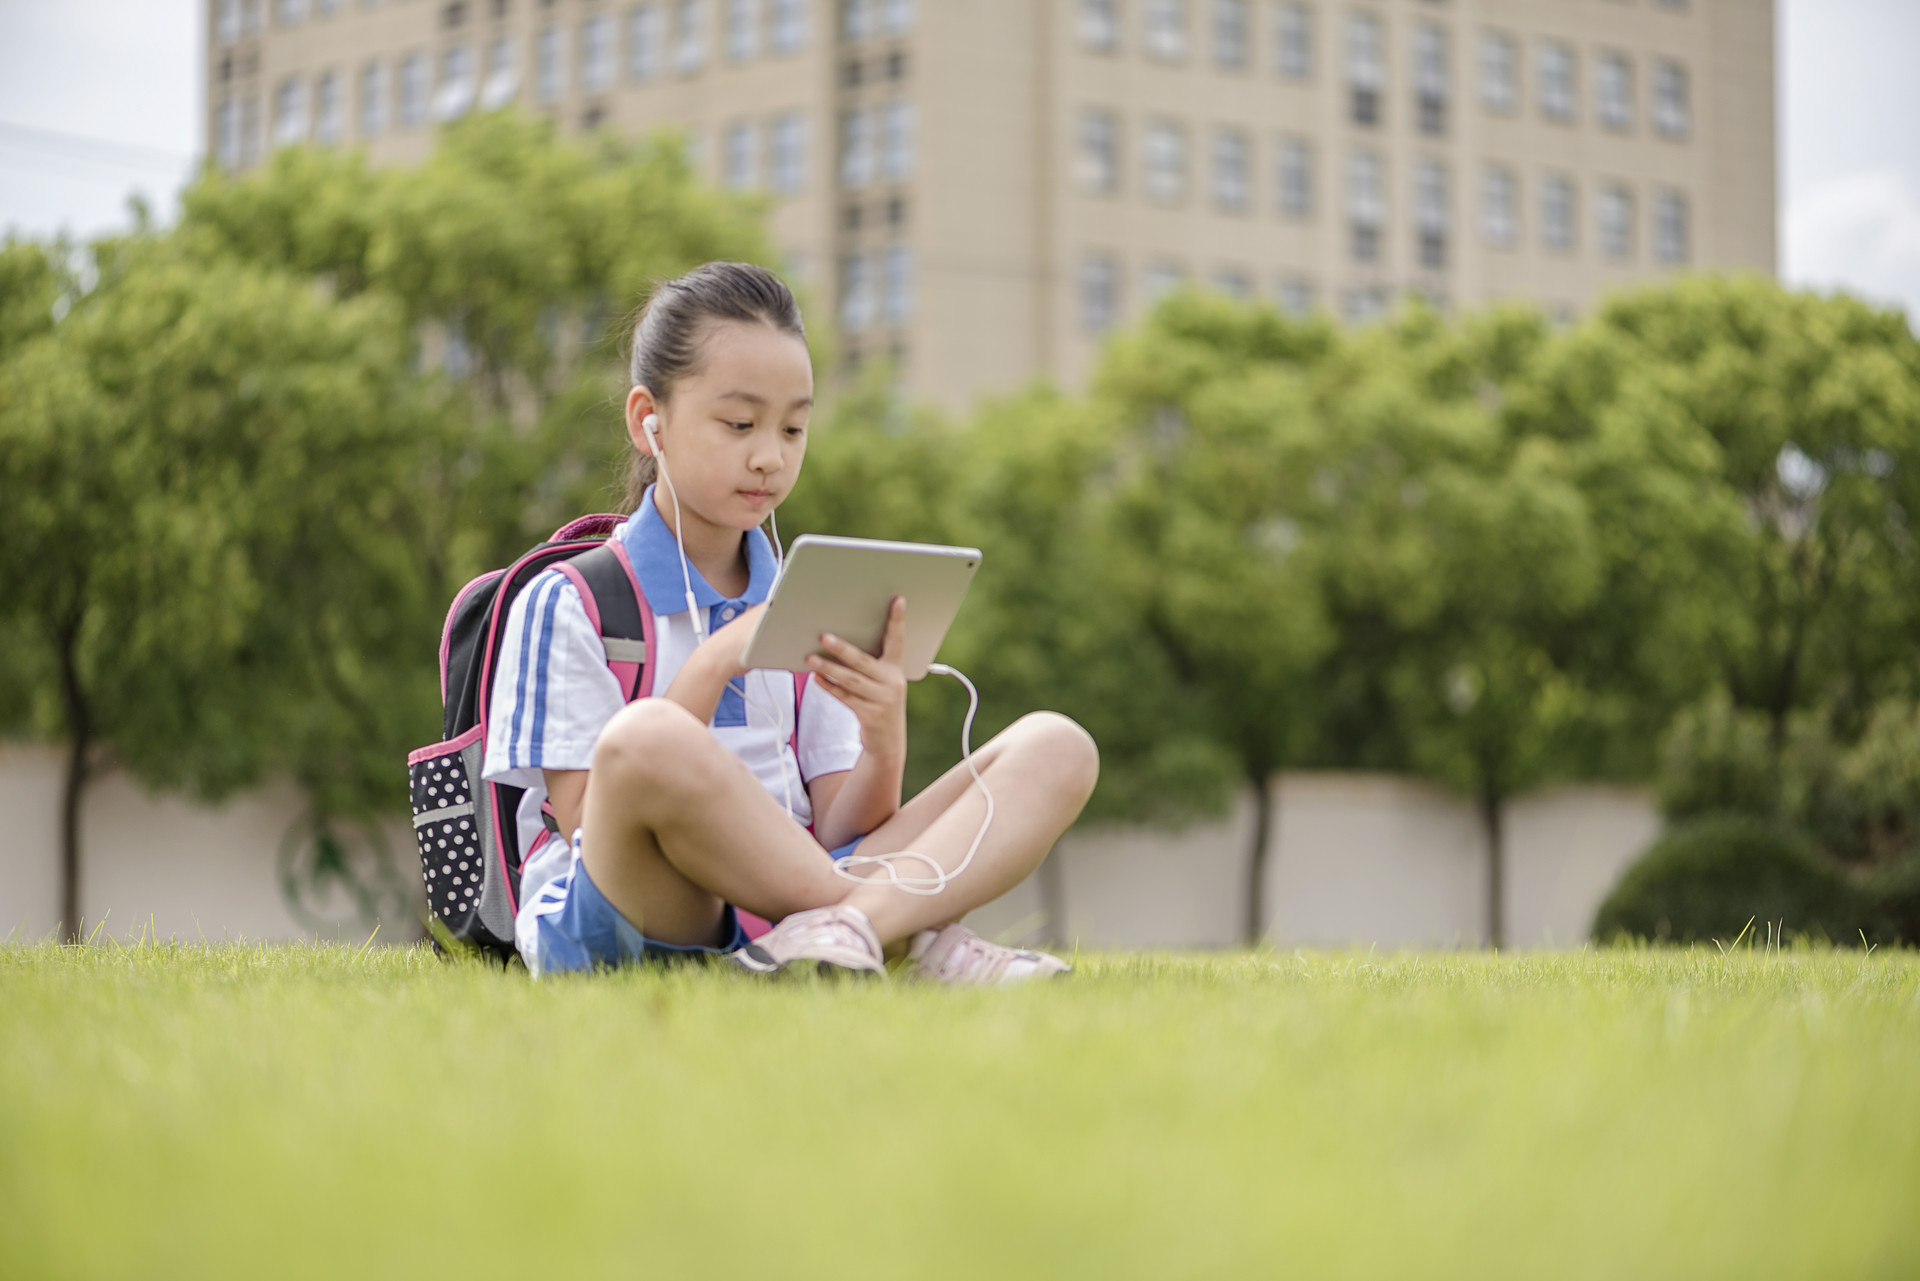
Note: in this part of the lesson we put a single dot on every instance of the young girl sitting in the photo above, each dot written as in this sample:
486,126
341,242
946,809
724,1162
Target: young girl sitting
687,804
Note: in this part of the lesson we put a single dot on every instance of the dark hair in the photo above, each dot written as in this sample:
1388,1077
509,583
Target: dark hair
674,322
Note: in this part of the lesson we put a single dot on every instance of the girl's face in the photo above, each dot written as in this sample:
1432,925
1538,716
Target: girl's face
734,432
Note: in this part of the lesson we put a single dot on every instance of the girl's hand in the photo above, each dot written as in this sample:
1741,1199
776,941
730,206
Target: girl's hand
875,688
724,647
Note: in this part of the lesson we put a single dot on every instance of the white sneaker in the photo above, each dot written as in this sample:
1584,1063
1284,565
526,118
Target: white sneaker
827,940
959,956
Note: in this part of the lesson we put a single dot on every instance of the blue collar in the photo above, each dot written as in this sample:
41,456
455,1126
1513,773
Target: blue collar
656,562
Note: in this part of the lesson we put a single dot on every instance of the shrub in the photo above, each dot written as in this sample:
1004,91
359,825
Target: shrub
1716,759
1895,890
1708,877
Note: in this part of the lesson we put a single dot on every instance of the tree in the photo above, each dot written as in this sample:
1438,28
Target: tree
207,539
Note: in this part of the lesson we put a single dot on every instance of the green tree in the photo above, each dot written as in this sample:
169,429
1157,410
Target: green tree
206,548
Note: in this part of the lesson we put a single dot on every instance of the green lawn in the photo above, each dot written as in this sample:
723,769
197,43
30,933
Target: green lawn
252,1112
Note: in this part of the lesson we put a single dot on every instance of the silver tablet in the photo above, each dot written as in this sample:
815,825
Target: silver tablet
843,586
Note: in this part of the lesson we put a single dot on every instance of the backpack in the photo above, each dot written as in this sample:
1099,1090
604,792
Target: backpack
470,855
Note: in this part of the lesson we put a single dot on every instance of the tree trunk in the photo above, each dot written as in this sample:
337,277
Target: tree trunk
80,729
1257,860
1496,869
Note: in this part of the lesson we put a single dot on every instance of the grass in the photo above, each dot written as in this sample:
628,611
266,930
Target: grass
240,1111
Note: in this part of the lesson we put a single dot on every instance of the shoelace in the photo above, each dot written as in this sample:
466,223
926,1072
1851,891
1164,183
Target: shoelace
832,930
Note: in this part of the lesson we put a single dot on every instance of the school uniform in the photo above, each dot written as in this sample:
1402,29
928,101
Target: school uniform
553,694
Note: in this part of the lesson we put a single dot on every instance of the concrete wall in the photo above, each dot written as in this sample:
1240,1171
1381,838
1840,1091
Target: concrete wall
1353,860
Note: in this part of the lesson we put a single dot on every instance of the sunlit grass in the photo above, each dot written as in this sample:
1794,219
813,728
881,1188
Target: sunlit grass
237,1111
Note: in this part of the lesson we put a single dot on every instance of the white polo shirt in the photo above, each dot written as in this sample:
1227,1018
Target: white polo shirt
553,692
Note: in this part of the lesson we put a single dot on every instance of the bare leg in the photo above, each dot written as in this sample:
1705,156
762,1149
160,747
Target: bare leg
677,827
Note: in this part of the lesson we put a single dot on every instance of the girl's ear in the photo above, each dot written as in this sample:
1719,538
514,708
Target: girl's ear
640,403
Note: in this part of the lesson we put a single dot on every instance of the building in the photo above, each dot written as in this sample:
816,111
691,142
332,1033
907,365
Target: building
983,187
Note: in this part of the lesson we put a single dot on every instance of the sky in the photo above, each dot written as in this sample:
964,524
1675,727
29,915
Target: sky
101,99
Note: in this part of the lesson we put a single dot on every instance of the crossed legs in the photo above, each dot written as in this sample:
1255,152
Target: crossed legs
676,828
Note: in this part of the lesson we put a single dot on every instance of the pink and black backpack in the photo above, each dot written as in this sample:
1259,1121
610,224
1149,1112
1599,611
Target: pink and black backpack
470,855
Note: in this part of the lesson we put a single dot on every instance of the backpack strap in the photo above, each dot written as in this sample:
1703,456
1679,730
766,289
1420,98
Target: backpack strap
618,610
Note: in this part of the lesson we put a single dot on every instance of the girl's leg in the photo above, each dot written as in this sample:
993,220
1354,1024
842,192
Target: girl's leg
676,827
1040,769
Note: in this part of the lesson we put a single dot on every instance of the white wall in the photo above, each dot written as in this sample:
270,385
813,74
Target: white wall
1352,860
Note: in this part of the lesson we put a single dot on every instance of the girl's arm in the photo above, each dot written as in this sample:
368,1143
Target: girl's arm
703,678
854,802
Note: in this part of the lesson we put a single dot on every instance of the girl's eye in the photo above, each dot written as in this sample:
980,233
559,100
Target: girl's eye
741,426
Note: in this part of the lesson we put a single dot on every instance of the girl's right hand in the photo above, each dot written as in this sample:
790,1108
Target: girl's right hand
725,646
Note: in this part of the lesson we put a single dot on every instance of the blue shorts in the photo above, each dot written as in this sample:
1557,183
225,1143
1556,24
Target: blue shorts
578,929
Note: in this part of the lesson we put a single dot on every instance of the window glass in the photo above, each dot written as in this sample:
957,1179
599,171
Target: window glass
1295,296
689,36
1230,164
1366,205
1099,25
1556,212
456,83
596,53
646,42
1162,277
896,17
1366,68
1670,99
789,152
413,90
1293,171
1166,35
1670,232
373,100
503,76
1613,90
1430,213
856,148
1099,151
1615,217
1230,33
898,289
226,134
1558,92
550,57
1293,41
742,160
789,25
1499,207
743,29
326,109
1430,80
289,113
1499,72
856,294
1099,292
896,140
1165,161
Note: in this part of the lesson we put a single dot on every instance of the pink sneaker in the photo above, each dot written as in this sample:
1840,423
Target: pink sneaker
959,956
826,940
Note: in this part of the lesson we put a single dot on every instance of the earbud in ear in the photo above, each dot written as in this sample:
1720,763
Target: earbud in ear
650,424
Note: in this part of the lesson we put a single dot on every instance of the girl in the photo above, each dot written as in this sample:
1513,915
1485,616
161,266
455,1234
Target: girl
685,804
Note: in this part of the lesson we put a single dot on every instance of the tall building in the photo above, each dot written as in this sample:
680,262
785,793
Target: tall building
984,187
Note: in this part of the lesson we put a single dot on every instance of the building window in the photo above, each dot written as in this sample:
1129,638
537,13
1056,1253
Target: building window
326,109
1165,161
1162,278
789,159
742,155
897,287
694,150
856,295
646,42
325,8
1230,24
1099,292
1615,217
290,13
856,148
1294,296
1166,29
1556,213
289,113
226,134
596,53
1100,25
1293,176
1499,72
550,62
789,25
856,20
1364,304
373,100
1670,99
503,77
1499,207
226,22
1670,240
743,29
896,140
1558,93
249,130
1293,41
1366,68
413,91
1234,282
1430,213
1366,205
1099,152
1231,162
249,23
689,37
1430,77
1613,91
896,17
456,83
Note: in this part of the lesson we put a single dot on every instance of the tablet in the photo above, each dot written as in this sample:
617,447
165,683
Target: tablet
843,586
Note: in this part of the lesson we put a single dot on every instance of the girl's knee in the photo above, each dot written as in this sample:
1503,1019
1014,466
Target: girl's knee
1061,746
648,738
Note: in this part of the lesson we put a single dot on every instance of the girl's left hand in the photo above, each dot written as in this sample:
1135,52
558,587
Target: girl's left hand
875,688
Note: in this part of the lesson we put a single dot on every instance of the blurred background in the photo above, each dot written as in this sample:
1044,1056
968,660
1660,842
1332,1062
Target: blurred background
1455,455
